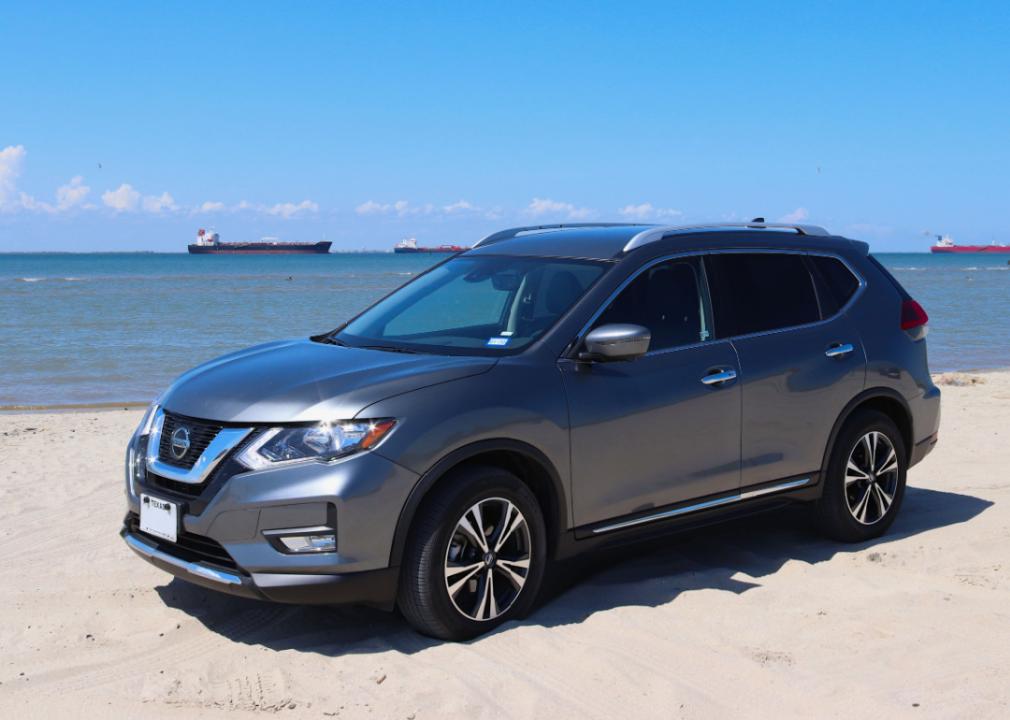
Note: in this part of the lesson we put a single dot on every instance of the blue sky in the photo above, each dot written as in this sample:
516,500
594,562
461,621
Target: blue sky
129,125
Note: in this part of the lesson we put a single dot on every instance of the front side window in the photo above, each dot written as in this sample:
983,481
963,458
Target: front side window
666,299
757,292
483,305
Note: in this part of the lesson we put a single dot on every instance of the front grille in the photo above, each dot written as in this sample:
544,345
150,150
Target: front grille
200,435
189,546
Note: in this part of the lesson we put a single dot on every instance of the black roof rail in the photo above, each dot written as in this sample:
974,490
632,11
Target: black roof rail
658,233
512,232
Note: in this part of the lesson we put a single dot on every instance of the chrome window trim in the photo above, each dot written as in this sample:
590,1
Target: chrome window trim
223,443
706,505
580,337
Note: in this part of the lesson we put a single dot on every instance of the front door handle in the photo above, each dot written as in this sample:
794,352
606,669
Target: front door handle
839,350
719,377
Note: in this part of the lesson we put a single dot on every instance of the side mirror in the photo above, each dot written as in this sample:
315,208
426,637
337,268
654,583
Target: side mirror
616,342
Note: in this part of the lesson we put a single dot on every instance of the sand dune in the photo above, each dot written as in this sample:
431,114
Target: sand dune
758,618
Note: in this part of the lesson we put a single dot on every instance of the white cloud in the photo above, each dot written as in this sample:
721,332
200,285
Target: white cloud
370,207
122,199
796,216
539,207
72,194
460,206
153,204
12,158
646,211
401,208
289,210
211,206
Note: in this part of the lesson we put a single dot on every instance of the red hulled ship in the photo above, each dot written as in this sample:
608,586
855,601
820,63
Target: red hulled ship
409,245
945,245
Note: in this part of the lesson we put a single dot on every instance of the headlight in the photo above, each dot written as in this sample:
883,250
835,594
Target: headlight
145,423
136,452
322,443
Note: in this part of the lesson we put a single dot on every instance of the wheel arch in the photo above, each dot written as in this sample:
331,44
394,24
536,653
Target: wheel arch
527,462
883,399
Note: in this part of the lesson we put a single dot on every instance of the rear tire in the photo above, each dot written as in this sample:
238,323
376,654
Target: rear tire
865,480
475,556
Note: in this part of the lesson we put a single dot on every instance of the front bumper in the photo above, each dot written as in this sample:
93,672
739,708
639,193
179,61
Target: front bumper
228,534
373,587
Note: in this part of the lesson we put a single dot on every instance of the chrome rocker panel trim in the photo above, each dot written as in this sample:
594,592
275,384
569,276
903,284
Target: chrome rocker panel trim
149,552
220,446
706,505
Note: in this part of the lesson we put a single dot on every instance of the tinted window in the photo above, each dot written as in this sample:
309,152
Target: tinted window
835,283
755,292
667,300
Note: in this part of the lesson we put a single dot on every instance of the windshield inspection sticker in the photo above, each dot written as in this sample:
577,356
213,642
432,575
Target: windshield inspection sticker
498,341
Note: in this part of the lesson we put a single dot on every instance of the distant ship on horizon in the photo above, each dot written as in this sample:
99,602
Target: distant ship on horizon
945,245
209,243
409,245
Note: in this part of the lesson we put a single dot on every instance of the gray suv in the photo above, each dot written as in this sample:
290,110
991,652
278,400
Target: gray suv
550,391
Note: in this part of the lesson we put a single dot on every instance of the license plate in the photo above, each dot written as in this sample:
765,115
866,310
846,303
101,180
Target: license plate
159,518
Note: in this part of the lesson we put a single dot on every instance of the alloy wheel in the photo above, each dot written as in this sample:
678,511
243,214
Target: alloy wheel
488,559
871,477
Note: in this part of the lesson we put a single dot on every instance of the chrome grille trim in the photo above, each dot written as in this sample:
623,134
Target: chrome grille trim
218,448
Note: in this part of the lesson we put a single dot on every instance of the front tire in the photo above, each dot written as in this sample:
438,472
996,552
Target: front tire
865,482
475,557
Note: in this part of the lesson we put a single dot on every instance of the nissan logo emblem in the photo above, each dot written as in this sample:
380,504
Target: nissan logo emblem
180,442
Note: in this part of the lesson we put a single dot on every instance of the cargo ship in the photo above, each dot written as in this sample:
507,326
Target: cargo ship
409,245
945,245
209,243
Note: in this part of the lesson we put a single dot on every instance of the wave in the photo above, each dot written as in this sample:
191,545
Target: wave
47,279
218,277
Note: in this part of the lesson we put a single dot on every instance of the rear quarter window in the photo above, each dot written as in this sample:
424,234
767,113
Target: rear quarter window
835,283
757,292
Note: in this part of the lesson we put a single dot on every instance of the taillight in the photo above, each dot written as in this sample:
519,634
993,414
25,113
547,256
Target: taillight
912,315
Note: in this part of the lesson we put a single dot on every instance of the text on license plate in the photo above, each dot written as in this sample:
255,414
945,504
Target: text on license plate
159,517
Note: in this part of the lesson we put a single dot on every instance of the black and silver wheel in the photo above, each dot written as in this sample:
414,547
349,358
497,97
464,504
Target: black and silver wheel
865,481
475,556
488,559
871,478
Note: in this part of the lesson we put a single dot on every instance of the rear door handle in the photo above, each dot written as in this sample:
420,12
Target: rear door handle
839,350
719,377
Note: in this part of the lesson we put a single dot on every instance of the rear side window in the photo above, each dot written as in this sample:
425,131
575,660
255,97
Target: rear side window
835,283
757,292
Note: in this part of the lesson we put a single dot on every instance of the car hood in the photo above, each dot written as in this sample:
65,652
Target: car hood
305,381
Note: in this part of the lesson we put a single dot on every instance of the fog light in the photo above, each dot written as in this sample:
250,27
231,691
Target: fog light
309,543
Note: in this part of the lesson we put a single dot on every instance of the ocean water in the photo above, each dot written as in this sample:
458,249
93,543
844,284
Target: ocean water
96,328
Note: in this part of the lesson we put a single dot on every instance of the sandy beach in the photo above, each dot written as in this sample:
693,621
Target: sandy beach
760,618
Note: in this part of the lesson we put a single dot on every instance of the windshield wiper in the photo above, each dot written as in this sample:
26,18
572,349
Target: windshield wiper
391,348
329,340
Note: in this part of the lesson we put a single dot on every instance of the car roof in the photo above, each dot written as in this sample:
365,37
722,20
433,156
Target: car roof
615,241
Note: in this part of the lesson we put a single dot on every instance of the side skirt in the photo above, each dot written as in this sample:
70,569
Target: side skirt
689,515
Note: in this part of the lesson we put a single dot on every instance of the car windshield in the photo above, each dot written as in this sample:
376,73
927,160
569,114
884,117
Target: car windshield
482,305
